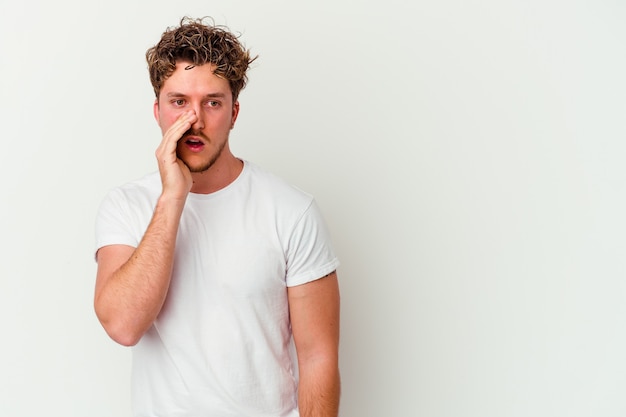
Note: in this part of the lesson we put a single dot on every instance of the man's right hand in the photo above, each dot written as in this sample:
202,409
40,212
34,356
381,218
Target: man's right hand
175,175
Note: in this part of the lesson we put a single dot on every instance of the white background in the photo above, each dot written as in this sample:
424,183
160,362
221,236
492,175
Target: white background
468,157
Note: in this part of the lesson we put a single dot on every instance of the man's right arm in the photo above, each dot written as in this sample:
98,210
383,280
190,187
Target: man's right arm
132,283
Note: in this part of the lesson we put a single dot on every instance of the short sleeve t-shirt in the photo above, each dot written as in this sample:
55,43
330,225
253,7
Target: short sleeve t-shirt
221,344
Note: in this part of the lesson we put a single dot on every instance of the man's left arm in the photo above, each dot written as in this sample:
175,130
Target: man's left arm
314,311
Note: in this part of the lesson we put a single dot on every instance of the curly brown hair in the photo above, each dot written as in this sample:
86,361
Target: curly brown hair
200,43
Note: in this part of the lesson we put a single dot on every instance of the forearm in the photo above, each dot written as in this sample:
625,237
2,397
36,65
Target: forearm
319,389
132,296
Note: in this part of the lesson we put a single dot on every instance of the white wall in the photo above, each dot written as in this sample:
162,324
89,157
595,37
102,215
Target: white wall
468,156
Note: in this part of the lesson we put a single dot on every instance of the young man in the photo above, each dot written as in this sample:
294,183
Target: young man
211,265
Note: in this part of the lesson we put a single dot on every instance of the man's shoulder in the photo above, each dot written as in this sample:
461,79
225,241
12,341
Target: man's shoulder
147,187
275,184
149,181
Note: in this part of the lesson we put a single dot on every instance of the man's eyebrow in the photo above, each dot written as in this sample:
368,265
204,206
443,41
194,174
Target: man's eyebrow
209,95
215,95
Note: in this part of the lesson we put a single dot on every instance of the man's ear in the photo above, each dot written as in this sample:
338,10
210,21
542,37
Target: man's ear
155,109
235,114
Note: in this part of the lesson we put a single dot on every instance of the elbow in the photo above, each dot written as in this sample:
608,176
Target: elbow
123,338
118,329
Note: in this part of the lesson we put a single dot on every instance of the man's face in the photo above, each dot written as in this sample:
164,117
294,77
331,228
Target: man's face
196,88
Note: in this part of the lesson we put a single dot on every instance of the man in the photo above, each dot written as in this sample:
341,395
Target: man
209,267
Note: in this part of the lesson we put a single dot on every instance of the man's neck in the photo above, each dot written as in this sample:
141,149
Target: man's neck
223,172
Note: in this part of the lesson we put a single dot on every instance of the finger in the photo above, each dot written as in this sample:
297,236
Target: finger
177,129
180,126
174,133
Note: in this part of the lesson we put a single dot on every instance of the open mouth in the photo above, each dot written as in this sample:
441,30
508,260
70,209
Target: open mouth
194,144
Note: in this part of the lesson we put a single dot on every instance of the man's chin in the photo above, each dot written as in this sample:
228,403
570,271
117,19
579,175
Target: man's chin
197,166
200,169
196,163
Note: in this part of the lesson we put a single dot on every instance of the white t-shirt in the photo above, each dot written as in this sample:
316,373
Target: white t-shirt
221,345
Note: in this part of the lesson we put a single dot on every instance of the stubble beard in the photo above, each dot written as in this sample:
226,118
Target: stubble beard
206,165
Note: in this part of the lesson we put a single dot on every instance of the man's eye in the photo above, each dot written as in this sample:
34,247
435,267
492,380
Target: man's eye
179,102
212,103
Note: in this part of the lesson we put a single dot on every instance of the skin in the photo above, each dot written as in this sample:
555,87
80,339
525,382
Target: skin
196,104
195,112
314,312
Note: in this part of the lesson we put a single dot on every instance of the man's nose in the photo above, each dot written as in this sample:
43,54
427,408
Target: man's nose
199,123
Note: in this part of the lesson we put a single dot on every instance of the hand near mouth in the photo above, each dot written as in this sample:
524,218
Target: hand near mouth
175,175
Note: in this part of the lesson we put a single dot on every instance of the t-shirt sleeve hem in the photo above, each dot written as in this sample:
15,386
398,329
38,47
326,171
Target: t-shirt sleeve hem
113,240
313,275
